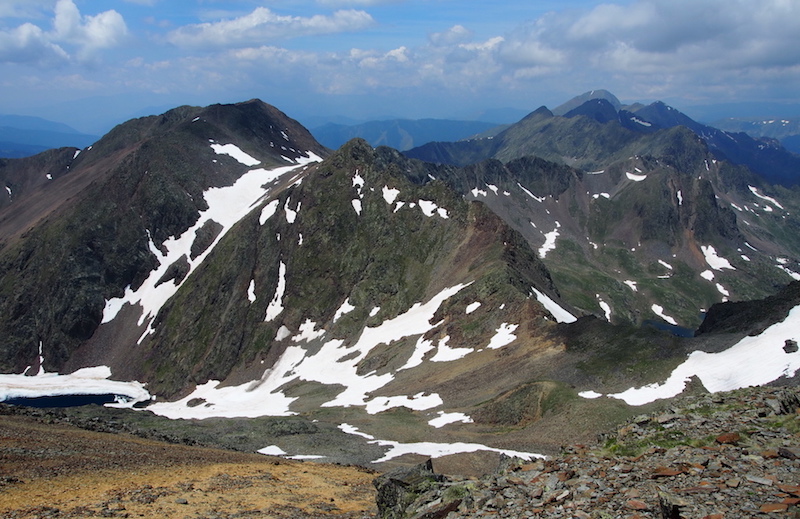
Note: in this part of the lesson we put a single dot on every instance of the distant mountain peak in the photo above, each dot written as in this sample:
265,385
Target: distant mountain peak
577,101
599,109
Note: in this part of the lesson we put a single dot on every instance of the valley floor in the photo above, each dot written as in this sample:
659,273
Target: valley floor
61,471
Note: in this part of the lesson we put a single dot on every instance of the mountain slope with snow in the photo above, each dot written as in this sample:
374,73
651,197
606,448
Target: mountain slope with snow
222,263
629,220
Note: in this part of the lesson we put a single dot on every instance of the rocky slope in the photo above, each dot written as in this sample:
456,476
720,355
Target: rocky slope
77,229
633,219
725,455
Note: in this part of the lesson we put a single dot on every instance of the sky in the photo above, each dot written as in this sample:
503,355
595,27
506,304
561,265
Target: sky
95,63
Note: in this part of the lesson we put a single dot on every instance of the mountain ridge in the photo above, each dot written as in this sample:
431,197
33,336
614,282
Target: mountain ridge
240,269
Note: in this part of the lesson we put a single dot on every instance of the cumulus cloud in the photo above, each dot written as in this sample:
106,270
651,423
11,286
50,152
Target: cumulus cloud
263,25
454,35
644,49
675,33
360,3
71,32
29,44
88,33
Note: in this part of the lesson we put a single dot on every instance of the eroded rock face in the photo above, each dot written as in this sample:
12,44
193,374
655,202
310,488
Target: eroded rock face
722,455
404,490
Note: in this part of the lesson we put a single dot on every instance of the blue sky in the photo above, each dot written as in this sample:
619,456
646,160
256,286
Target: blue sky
93,63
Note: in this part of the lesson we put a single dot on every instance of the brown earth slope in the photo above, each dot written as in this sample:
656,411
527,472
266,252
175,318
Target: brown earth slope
60,471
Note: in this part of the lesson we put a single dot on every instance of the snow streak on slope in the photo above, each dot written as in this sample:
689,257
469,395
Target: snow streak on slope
549,241
233,151
334,364
430,449
753,361
561,315
659,311
764,197
226,206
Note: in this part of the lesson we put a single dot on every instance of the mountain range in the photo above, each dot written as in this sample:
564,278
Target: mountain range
784,129
474,300
400,134
23,136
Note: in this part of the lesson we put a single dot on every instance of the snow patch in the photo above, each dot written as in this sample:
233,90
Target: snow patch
549,241
473,306
433,450
233,150
707,275
291,214
632,285
429,208
346,308
659,311
390,194
276,305
605,306
635,178
503,336
356,205
714,261
418,402
272,450
561,315
448,418
283,333
307,332
445,353
763,355
771,200
251,291
538,199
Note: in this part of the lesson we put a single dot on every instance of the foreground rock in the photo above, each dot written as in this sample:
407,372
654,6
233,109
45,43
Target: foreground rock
716,456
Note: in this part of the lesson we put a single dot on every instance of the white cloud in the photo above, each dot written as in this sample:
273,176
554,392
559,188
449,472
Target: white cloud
350,3
89,33
454,35
85,35
262,26
29,44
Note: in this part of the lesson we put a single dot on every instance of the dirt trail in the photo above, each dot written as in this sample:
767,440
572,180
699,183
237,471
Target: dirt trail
54,470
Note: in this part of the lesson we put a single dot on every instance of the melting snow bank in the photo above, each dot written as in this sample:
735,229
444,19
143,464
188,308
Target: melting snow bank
86,381
561,315
753,361
397,449
334,364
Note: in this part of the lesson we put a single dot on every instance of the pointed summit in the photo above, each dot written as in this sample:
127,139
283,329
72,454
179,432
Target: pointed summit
577,101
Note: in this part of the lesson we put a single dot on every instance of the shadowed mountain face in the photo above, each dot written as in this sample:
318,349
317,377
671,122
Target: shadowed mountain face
77,225
241,269
590,134
628,212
